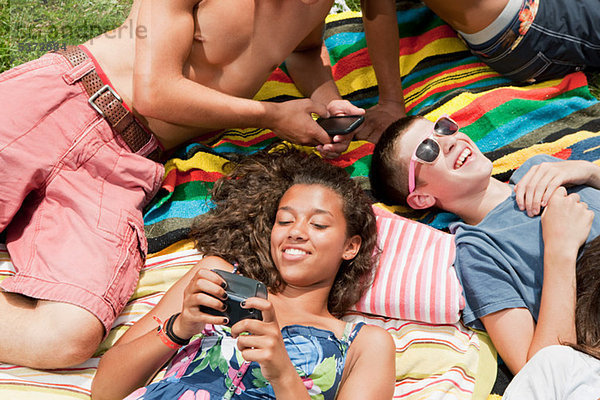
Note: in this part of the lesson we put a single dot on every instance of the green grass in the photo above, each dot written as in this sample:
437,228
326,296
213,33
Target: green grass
29,27
354,5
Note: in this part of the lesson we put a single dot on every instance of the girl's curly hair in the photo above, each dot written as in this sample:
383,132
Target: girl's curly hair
587,306
238,228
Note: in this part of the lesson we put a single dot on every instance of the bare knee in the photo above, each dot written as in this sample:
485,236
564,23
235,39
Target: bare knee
69,344
44,335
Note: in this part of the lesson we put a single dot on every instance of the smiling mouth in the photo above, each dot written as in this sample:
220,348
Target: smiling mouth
466,153
295,252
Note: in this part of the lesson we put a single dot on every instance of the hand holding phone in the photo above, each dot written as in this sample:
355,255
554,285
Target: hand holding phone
239,288
340,124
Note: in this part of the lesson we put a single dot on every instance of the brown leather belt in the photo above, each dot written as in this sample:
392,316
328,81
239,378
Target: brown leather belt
108,103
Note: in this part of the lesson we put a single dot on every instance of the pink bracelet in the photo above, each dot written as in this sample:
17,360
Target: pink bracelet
163,336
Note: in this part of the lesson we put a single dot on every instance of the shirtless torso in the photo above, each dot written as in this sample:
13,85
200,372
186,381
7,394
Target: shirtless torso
230,46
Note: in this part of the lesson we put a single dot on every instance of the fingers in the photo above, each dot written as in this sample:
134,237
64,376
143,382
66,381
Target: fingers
560,194
319,136
252,326
368,130
566,221
259,341
209,282
334,150
344,107
364,131
328,154
267,350
377,119
537,185
316,134
293,121
535,189
202,314
263,305
339,143
316,108
565,202
205,293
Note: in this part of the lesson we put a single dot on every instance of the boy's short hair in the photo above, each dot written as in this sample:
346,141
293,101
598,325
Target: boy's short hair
388,177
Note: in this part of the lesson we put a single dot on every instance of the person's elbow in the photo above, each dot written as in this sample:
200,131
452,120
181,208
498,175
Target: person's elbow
105,391
106,386
99,391
146,96
152,89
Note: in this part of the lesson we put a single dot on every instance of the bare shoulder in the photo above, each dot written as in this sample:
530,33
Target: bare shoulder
374,337
372,342
371,358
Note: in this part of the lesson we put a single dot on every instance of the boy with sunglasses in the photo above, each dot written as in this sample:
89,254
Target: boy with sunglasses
517,268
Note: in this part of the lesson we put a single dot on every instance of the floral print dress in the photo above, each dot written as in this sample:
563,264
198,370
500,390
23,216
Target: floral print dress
212,367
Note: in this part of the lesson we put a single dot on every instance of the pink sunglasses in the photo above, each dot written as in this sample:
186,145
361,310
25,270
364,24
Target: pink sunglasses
429,149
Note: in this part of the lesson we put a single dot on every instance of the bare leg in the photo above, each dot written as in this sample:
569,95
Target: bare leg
45,334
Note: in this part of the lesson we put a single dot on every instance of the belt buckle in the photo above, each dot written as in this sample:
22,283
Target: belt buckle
97,94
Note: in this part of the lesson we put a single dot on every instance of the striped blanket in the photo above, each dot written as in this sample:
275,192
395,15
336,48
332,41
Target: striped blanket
440,76
510,123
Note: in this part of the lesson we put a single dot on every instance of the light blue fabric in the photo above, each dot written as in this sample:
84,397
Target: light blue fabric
499,262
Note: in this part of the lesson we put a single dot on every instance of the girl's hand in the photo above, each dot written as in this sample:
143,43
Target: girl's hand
261,341
205,289
535,188
566,222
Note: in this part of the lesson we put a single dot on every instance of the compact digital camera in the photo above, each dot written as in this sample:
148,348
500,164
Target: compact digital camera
239,288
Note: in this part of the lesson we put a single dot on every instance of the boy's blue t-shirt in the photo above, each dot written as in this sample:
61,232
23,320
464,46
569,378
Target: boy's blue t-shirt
499,261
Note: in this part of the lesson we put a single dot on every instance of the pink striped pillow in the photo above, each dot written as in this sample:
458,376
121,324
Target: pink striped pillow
415,279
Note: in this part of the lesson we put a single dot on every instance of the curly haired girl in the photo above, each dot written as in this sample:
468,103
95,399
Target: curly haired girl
307,231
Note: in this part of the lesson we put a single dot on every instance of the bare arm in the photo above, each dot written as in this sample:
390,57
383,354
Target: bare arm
371,373
565,224
310,68
511,331
161,91
140,353
381,31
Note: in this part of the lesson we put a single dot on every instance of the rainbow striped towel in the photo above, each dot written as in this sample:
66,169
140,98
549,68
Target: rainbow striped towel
440,76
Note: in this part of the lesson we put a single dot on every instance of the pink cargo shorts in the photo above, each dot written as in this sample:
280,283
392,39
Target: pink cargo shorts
71,192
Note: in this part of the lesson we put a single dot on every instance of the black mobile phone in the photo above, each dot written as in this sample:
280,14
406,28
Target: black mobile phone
340,124
238,288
